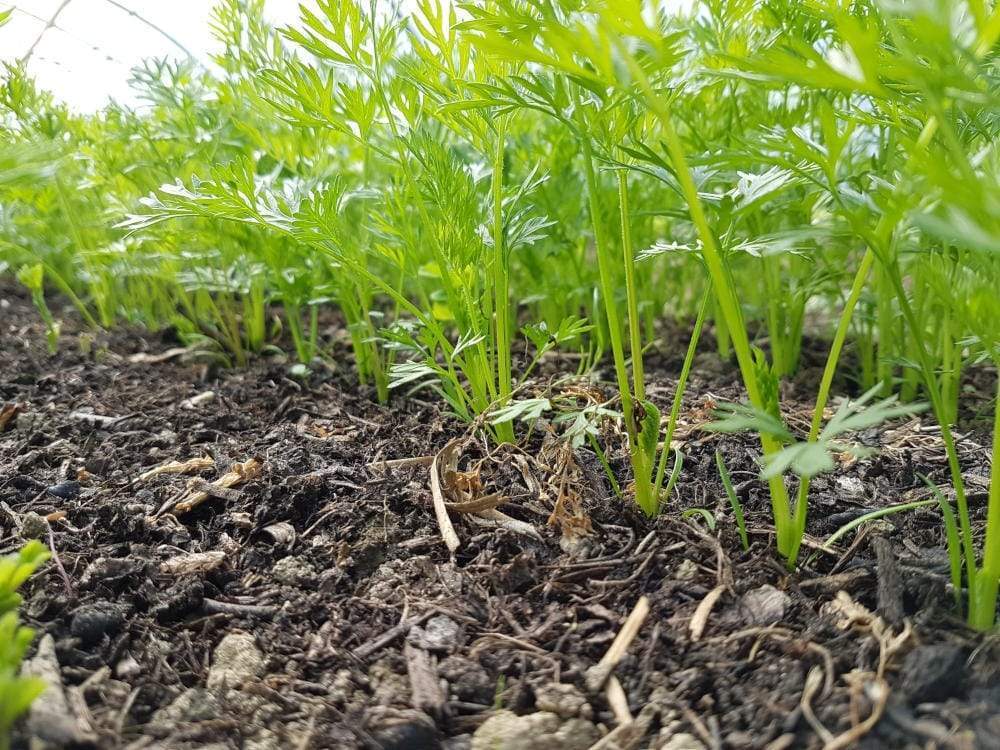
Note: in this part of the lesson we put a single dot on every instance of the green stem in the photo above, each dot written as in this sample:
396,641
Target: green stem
886,332
775,323
983,593
605,264
632,297
934,392
728,301
675,407
883,232
501,287
823,395
98,279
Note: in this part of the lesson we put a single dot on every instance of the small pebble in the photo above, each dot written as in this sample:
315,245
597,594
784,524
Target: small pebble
33,526
441,634
765,605
236,659
403,729
64,490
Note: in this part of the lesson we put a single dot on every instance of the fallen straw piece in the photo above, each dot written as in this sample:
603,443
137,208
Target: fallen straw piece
700,617
482,509
152,359
440,510
190,466
401,463
618,701
237,474
195,401
494,517
598,674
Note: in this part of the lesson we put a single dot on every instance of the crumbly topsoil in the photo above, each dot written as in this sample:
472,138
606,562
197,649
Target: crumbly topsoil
312,602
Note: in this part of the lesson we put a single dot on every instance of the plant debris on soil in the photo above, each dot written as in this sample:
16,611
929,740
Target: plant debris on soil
242,559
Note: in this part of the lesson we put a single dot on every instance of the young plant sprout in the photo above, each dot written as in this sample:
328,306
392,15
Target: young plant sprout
16,691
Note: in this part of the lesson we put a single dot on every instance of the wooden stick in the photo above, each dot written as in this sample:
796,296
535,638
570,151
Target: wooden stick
598,675
618,701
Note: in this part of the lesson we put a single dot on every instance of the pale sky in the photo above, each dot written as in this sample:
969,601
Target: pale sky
86,57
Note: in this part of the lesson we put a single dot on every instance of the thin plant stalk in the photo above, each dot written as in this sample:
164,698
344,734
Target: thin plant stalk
983,589
644,496
501,287
675,407
631,295
823,395
883,232
729,303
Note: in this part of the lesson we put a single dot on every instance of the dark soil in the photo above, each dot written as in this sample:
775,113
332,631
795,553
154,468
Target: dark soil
315,605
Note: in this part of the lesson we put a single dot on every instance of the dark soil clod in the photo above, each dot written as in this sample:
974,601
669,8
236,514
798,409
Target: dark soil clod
934,673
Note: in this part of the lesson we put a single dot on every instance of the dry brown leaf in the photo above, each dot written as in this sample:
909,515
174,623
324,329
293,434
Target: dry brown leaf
487,502
8,415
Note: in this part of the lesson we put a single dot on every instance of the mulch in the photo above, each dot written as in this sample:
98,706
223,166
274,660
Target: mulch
310,601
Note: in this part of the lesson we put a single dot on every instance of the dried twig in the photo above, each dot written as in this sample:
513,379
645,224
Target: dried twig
618,701
878,692
813,681
700,617
198,400
402,463
831,584
598,674
67,583
214,607
191,563
401,628
190,466
237,474
496,518
153,359
214,490
425,688
890,585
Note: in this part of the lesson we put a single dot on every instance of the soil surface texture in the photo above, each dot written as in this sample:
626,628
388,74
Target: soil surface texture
248,559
